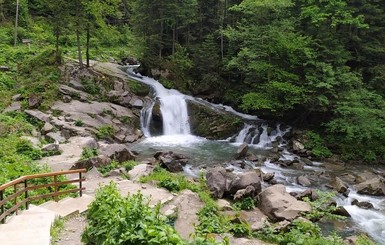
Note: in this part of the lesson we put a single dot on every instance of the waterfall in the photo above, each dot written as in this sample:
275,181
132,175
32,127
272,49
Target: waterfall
173,107
259,136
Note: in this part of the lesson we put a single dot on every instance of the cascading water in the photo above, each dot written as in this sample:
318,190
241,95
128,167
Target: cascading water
177,137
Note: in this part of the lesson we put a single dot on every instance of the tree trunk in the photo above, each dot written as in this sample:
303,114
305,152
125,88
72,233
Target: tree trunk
173,40
88,45
79,47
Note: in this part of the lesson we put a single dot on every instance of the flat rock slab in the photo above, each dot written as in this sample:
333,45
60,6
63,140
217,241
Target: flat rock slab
154,194
71,153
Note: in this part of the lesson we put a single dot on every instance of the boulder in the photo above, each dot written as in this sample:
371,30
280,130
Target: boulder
303,180
188,205
339,185
364,205
375,187
249,191
172,161
34,101
267,177
135,102
224,205
118,152
309,193
279,205
243,180
99,161
298,146
218,181
66,98
50,147
38,115
255,218
242,151
365,176
47,128
341,211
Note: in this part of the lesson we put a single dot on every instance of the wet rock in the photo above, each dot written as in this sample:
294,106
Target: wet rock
50,147
307,161
303,180
309,193
38,115
348,178
136,103
364,205
279,205
298,146
365,176
375,187
341,211
118,152
172,161
253,158
298,165
34,101
339,185
267,177
47,128
242,151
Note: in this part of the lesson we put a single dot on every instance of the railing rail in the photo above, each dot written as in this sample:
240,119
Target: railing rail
26,199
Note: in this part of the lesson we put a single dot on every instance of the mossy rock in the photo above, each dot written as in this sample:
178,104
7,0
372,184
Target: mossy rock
212,123
138,88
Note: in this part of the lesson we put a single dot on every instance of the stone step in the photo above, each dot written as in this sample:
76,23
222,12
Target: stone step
30,227
69,206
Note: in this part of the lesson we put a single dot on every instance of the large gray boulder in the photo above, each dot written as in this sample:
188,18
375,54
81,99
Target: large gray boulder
375,187
118,152
99,161
242,151
339,185
173,162
279,205
218,181
243,180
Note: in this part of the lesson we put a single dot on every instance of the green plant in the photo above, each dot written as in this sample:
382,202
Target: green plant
322,208
105,170
56,228
128,165
113,219
79,123
247,203
90,86
105,132
317,145
88,153
26,148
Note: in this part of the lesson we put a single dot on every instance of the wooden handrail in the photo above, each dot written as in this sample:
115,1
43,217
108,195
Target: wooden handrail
24,180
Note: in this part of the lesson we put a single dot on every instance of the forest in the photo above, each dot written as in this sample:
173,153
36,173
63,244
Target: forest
317,65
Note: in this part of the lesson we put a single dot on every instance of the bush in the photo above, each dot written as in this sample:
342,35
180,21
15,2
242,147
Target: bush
247,203
105,132
113,219
317,145
88,153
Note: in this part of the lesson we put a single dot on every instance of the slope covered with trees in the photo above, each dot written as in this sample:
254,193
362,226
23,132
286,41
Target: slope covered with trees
314,64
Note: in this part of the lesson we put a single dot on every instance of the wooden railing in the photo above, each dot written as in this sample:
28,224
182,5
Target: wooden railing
21,195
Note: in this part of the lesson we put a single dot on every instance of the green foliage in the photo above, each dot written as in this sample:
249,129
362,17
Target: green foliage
88,153
105,170
113,219
79,123
322,207
25,147
364,240
91,86
56,228
105,132
170,181
129,165
247,203
300,233
317,145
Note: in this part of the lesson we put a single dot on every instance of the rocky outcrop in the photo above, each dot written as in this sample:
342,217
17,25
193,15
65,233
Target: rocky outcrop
140,170
279,205
222,183
242,151
34,101
173,162
99,161
117,152
38,115
212,123
375,187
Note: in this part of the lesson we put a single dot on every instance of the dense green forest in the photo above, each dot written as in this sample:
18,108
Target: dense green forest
314,64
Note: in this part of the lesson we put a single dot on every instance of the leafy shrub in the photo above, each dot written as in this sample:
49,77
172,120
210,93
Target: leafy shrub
113,219
317,145
105,132
90,86
128,165
105,170
79,123
322,208
88,153
247,203
25,147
